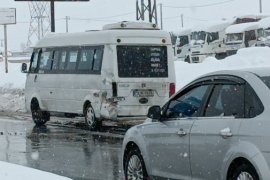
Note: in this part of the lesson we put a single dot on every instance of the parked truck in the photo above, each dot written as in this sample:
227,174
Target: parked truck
264,33
241,36
182,45
208,40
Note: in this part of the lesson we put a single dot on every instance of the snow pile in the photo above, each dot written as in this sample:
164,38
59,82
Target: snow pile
240,28
264,23
212,26
10,171
12,88
245,58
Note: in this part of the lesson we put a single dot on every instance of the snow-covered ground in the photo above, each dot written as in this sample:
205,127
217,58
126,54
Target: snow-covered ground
10,171
245,58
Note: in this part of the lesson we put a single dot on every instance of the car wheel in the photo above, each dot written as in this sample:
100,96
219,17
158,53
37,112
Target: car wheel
245,172
134,166
90,118
39,117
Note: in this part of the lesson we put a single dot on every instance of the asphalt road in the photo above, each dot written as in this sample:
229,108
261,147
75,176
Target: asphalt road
62,147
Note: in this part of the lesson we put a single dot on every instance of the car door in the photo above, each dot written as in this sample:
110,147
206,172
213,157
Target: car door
214,133
168,140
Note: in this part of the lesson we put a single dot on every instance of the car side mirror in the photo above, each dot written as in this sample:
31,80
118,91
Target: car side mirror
24,68
154,112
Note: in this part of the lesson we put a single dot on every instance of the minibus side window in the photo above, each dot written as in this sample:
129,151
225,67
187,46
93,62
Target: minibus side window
62,62
45,60
97,60
34,61
86,59
72,59
55,60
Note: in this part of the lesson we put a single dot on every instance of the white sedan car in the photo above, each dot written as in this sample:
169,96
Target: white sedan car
215,128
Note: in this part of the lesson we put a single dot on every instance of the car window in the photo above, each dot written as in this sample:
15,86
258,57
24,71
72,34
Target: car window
226,100
55,60
188,104
253,105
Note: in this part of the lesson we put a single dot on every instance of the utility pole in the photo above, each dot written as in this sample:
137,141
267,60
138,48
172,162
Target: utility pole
67,18
182,20
52,17
161,17
5,44
260,6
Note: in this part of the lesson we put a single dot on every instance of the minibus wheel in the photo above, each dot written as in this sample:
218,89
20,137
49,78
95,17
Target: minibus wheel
91,121
39,117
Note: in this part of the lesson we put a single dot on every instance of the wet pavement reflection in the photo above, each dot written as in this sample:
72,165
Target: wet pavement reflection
71,152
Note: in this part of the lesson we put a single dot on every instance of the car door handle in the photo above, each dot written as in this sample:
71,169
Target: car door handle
181,132
225,133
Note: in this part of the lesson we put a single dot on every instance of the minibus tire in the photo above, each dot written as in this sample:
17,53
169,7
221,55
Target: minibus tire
39,117
91,121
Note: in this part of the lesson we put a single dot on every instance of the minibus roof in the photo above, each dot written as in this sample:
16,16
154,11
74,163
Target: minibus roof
101,37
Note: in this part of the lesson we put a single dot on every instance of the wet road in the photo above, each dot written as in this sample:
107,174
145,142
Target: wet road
63,149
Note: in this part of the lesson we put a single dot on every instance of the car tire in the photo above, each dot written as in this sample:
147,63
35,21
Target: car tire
134,167
39,117
245,171
91,121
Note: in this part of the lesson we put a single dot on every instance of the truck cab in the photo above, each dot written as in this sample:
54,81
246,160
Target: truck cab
241,36
208,40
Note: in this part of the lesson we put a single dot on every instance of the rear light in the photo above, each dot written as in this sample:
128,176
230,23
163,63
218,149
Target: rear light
114,89
172,89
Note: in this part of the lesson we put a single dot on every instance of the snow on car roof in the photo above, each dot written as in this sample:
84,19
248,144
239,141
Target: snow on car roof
212,26
264,23
239,28
252,16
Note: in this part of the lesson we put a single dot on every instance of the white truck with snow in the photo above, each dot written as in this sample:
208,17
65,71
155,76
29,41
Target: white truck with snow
264,33
116,72
182,45
208,40
241,36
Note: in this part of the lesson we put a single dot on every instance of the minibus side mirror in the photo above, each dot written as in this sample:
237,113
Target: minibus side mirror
24,68
154,112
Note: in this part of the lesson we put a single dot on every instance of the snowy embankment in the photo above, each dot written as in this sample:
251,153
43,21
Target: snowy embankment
16,172
245,58
12,88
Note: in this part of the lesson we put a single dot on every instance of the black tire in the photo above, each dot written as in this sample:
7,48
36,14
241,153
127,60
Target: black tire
39,117
245,170
91,122
187,59
139,173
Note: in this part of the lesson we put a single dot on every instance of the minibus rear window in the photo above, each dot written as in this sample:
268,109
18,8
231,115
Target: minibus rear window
142,61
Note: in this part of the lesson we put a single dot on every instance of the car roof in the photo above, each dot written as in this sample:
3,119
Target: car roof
258,71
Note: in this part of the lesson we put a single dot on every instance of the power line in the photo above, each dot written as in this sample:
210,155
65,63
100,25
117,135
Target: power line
203,5
192,18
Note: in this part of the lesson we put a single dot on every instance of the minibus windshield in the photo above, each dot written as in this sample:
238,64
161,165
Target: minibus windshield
142,61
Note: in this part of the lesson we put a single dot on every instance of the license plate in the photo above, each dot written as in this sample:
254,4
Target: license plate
143,93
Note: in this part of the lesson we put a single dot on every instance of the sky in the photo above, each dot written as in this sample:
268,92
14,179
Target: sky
94,14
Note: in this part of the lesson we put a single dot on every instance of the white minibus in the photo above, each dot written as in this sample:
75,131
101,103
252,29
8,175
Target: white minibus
119,71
